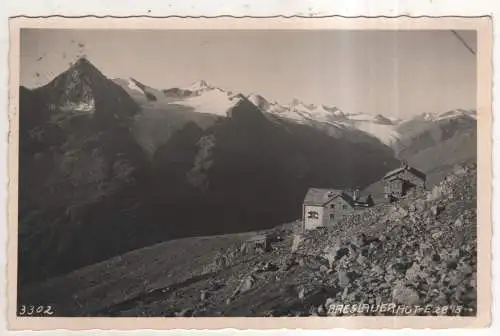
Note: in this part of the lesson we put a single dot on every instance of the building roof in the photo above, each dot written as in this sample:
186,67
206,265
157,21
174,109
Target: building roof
348,198
394,178
318,196
258,238
412,170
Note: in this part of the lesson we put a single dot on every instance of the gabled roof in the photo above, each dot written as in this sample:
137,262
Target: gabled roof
394,178
319,197
348,198
260,237
412,170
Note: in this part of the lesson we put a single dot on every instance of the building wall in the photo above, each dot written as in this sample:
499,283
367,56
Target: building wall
336,208
311,223
419,183
396,187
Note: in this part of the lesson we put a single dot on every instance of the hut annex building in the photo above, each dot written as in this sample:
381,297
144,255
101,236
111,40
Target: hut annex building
326,207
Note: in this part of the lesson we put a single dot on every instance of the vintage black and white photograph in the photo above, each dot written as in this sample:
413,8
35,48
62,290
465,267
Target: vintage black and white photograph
247,173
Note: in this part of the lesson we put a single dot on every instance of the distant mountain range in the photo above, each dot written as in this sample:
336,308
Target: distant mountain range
107,166
208,99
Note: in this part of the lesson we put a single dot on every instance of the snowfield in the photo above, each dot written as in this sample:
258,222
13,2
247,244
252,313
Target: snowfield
214,101
385,133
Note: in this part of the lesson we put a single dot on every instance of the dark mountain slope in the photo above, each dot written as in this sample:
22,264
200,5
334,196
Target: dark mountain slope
247,172
78,166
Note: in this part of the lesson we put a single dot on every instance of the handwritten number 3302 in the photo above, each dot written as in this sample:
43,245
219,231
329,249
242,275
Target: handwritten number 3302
31,310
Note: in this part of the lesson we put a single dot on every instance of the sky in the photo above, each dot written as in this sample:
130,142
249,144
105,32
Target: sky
394,73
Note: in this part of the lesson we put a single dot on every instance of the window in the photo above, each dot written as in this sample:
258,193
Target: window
332,206
332,217
313,214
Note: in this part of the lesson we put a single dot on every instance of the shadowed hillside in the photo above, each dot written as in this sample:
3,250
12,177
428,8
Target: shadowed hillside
247,172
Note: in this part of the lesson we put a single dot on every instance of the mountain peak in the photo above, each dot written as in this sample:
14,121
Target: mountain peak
84,64
82,60
258,101
244,110
298,103
84,88
199,85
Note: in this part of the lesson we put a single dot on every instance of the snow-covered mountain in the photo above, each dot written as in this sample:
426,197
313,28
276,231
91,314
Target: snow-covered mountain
201,100
260,101
333,120
429,130
457,113
140,92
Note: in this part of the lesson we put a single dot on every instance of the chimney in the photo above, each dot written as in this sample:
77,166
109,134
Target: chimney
355,194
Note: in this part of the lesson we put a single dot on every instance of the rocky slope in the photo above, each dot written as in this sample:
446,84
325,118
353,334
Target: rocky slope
420,251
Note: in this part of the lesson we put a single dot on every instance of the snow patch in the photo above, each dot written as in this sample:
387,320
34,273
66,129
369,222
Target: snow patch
385,133
133,86
215,102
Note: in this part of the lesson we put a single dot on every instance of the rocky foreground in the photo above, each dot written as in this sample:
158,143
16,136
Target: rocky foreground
414,257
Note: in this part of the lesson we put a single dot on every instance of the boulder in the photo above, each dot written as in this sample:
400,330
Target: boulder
297,239
405,295
436,234
437,192
458,222
459,170
412,208
288,263
329,302
414,272
359,240
464,268
343,278
247,284
378,270
334,253
302,293
362,260
264,267
420,205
